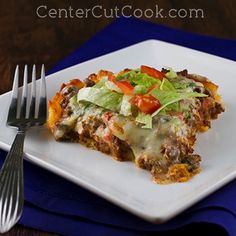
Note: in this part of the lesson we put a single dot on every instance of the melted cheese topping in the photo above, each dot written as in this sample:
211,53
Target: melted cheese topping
147,142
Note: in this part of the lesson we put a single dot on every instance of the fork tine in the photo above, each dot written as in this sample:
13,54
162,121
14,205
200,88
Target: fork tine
42,113
12,113
33,94
24,93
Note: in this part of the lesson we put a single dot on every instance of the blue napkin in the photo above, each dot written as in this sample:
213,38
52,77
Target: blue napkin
53,204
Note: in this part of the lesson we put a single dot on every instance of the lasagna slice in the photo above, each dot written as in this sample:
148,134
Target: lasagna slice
143,115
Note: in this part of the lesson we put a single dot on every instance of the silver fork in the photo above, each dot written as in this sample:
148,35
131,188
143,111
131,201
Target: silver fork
25,111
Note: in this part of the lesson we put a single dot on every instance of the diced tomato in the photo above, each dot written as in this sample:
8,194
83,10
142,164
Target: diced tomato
152,72
146,103
107,115
125,87
107,137
112,78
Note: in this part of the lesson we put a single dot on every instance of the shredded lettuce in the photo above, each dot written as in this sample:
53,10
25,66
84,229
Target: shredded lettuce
182,85
101,83
166,85
73,101
112,86
135,77
144,79
171,74
144,119
167,98
172,107
127,75
101,97
140,89
105,83
125,108
108,95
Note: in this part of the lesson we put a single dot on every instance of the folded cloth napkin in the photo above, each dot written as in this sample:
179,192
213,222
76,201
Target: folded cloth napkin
53,204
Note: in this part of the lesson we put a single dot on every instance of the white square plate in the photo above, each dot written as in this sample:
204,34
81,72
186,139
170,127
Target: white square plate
121,182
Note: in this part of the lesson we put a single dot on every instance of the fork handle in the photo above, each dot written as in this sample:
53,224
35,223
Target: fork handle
11,184
15,155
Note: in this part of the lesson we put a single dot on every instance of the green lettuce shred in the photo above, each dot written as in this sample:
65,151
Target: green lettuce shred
144,119
135,77
167,98
171,74
167,85
101,97
107,95
125,108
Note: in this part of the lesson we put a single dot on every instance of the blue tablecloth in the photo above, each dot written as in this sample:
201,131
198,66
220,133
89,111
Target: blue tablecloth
56,205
